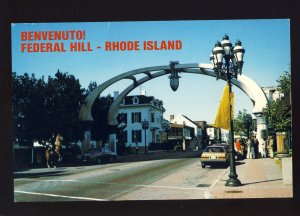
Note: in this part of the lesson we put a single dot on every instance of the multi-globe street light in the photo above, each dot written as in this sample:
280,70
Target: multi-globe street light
228,63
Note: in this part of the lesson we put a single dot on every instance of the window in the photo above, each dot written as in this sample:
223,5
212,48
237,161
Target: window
136,117
135,100
136,136
152,117
122,117
123,102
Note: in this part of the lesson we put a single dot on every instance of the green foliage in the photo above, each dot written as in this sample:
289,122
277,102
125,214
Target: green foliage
99,112
238,123
275,117
284,82
41,108
273,112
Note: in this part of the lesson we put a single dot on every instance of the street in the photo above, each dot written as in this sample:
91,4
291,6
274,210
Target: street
173,175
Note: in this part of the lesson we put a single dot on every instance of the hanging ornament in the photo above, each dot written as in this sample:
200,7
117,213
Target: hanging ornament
174,77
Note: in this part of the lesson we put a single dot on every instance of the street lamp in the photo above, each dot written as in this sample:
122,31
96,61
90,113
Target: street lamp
228,63
248,123
145,126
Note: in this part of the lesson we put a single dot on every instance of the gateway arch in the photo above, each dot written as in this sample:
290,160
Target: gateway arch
243,82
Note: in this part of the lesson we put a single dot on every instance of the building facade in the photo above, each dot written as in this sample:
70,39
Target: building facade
184,120
133,111
181,136
199,127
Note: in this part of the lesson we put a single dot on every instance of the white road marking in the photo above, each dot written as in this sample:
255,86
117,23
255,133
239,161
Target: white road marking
49,180
207,194
62,196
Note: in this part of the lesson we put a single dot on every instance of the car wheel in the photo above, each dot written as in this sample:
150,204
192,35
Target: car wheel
203,165
98,160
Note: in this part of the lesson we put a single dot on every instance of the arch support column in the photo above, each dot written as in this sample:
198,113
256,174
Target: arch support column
262,129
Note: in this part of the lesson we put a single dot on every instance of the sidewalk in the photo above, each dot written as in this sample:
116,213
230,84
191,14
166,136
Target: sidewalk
260,178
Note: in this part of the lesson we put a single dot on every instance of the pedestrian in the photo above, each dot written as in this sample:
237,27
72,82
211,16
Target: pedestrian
238,146
270,144
252,148
263,148
244,148
256,144
248,143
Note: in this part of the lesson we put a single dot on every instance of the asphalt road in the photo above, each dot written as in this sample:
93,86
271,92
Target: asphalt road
164,176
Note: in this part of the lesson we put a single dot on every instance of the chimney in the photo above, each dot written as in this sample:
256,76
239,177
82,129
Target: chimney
116,94
171,118
143,92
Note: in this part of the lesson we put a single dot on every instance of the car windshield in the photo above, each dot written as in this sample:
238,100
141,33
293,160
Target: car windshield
214,149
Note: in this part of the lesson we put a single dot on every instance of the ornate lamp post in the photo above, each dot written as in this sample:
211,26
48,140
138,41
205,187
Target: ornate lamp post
145,126
248,123
228,63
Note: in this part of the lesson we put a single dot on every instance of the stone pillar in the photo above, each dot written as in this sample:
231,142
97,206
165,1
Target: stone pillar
262,130
112,142
87,141
183,144
112,138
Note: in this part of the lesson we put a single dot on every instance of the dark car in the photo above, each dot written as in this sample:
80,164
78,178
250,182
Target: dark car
99,155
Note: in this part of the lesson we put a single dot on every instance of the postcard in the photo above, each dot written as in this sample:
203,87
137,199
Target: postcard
151,110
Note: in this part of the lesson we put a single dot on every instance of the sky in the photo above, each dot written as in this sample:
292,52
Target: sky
267,56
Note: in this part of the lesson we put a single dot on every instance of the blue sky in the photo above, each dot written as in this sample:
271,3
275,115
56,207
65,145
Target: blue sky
267,45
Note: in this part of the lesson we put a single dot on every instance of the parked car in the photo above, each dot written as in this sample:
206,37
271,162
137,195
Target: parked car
99,155
215,154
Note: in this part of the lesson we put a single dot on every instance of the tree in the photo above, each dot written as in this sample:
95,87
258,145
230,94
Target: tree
41,108
240,127
100,108
28,102
274,113
284,83
64,96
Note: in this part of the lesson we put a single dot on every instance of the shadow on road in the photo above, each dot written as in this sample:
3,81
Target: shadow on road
39,174
159,156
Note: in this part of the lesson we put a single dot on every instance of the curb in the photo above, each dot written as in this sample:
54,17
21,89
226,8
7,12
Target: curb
207,193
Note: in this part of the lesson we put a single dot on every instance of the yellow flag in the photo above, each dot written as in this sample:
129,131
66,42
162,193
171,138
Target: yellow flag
232,105
223,116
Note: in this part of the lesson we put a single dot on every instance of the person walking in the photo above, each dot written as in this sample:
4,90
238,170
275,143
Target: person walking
270,144
256,144
244,148
263,148
238,145
248,144
252,148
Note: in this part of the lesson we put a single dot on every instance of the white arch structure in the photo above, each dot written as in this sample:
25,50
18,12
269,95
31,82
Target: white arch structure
243,82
